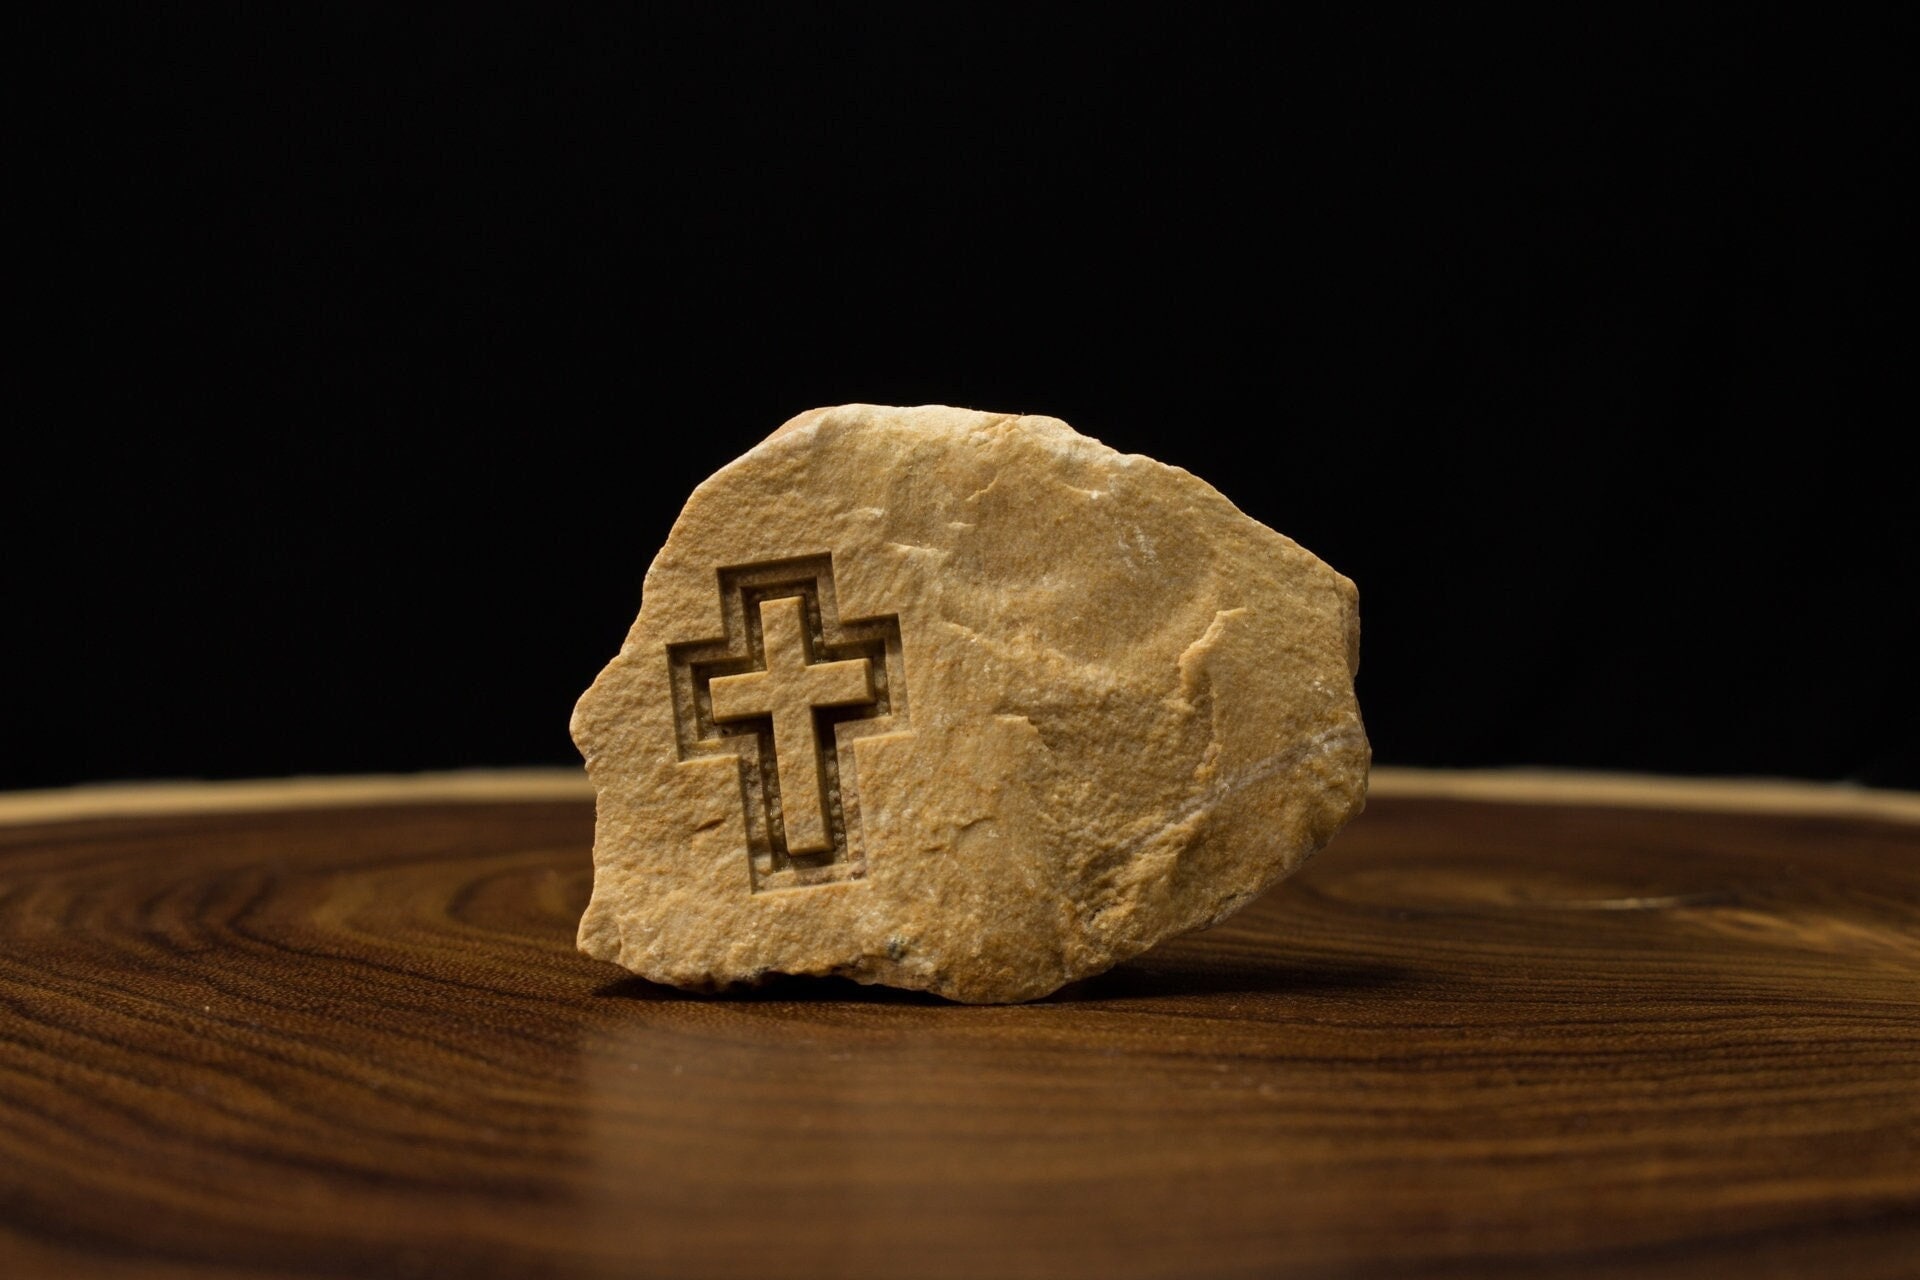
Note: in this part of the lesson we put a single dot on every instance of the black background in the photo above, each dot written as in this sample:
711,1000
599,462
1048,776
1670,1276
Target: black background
378,350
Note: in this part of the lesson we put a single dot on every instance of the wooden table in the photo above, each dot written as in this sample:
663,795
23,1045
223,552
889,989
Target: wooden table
1504,1027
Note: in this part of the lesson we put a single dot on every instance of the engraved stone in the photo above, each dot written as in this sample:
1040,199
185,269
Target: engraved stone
962,702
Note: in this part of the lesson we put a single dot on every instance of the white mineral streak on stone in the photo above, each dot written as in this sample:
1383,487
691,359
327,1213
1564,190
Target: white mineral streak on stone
1107,708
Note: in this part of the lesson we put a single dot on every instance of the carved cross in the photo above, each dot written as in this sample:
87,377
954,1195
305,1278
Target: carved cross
789,690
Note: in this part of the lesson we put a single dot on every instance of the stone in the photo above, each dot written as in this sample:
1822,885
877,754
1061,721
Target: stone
961,702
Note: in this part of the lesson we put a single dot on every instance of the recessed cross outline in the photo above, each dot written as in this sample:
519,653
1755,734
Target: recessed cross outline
783,691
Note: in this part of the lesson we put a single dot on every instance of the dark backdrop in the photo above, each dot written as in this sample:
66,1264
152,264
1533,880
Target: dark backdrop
379,350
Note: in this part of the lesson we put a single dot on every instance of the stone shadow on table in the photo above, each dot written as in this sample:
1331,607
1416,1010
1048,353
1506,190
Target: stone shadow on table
1134,980
777,989
1157,978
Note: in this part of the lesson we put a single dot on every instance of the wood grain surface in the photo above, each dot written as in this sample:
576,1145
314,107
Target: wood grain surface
1474,1039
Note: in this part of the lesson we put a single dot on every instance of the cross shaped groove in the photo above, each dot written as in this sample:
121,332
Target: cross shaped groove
786,691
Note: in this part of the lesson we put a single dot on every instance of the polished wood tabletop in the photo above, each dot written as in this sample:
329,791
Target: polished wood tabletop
1490,1032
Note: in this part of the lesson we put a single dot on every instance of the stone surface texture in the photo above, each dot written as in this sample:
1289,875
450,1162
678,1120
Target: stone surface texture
1033,706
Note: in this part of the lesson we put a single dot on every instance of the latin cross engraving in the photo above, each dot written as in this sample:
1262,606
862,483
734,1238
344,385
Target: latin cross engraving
786,692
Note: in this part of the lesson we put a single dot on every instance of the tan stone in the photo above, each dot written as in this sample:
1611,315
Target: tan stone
963,702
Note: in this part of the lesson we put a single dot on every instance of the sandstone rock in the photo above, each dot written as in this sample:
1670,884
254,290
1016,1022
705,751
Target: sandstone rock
964,702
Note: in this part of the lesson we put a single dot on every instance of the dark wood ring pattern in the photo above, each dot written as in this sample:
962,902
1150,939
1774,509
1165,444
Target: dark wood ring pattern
1472,1040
